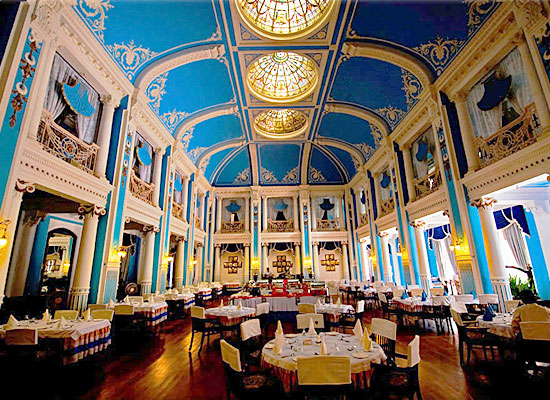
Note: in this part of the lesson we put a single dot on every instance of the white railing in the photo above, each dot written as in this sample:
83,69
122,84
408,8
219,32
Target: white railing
141,189
280,226
328,225
64,145
232,227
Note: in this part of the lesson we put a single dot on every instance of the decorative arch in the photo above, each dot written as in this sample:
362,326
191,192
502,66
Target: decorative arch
201,116
359,112
220,147
342,146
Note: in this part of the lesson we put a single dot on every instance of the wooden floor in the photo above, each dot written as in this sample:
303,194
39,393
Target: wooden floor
162,368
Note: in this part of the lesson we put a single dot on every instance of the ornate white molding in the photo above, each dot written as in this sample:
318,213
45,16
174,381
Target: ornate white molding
432,203
201,116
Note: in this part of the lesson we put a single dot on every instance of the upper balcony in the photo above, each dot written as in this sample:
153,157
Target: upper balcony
280,226
232,227
387,206
328,225
141,189
177,211
427,184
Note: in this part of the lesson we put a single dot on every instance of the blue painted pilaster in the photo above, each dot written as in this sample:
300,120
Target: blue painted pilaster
540,269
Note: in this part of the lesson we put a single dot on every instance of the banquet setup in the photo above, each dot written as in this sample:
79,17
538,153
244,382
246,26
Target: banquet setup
287,199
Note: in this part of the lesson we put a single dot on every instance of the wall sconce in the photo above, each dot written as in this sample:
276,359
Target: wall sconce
307,262
4,227
168,258
122,251
192,263
456,245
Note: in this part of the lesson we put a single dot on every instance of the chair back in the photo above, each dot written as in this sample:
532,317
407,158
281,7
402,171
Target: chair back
440,300
535,330
382,297
67,314
413,352
511,305
437,291
197,312
262,308
459,307
416,292
397,292
456,316
384,328
231,356
304,308
93,307
360,306
103,314
464,298
378,284
324,370
159,298
21,337
332,288
488,298
380,289
302,321
124,309
250,329
136,299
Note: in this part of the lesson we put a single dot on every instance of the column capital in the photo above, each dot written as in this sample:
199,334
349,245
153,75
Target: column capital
109,101
200,244
179,238
246,244
315,243
386,234
159,151
217,245
90,210
34,217
460,96
297,244
24,187
418,224
483,202
344,242
150,229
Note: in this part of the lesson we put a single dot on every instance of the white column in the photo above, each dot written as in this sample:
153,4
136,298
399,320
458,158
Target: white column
297,255
23,246
198,273
497,267
83,270
467,132
157,169
536,89
247,215
377,194
313,214
218,263
145,272
424,265
104,134
264,213
185,196
341,208
386,262
219,214
345,261
316,261
409,174
246,265
265,256
397,275
179,263
365,262
295,210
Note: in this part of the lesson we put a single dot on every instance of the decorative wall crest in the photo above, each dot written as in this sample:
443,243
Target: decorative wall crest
315,175
173,118
243,177
291,176
155,91
267,176
195,153
439,52
130,56
412,87
392,115
366,149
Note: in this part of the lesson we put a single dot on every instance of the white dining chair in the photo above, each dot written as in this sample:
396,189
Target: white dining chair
250,329
511,305
385,334
103,314
488,298
67,314
124,309
437,291
302,321
304,308
464,298
136,299
93,307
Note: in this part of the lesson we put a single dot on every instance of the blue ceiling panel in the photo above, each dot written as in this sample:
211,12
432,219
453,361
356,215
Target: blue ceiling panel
216,130
236,172
322,170
279,164
345,158
214,161
346,127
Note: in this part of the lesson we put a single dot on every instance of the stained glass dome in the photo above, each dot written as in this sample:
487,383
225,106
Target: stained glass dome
282,77
284,19
280,123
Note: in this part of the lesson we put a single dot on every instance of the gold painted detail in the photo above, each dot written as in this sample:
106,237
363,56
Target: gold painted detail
517,135
411,86
439,52
478,11
392,115
280,123
364,220
387,206
232,227
63,144
141,189
198,223
243,176
427,185
328,225
280,226
177,211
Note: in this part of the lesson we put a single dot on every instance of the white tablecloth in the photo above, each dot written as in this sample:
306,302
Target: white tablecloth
334,309
282,303
501,325
311,299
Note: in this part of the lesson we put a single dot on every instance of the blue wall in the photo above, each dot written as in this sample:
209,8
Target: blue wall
540,269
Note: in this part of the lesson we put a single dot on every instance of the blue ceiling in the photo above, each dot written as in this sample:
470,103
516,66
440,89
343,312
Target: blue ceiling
140,35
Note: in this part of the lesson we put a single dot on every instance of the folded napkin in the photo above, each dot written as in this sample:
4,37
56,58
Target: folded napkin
111,303
319,303
127,300
62,323
12,323
339,302
46,316
87,315
279,328
240,304
489,314
358,330
323,347
404,295
424,296
221,304
279,343
311,329
366,342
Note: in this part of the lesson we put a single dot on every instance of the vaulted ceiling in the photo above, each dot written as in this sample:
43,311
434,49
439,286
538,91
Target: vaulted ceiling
191,58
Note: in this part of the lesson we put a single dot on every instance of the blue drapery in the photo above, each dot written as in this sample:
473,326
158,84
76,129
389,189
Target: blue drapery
438,233
504,217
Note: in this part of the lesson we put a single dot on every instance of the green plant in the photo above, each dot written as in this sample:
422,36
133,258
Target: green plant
517,286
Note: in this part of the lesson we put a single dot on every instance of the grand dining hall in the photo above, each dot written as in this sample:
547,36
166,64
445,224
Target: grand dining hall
279,199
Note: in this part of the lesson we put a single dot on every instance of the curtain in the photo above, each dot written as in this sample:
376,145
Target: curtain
288,211
226,215
61,72
514,236
145,171
446,263
420,167
86,126
485,123
521,94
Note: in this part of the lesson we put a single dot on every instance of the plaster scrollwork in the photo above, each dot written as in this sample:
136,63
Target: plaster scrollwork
150,228
439,52
531,11
45,20
291,176
91,210
95,13
315,175
478,11
243,177
418,224
24,187
392,115
156,90
267,176
130,56
484,202
412,87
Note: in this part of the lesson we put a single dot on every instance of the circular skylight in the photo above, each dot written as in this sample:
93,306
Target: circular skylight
280,123
282,77
284,19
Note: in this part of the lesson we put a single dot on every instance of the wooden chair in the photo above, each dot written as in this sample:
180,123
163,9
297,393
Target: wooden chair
400,378
534,349
21,345
251,341
243,385
200,324
324,375
302,321
384,333
305,308
348,320
67,314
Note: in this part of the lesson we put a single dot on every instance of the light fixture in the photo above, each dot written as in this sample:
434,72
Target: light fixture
3,239
122,251
281,123
307,262
456,245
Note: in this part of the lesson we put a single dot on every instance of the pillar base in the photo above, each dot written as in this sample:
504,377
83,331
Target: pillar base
79,299
178,282
501,287
425,282
145,287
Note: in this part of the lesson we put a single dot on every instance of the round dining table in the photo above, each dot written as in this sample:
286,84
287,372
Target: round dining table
500,325
230,315
284,364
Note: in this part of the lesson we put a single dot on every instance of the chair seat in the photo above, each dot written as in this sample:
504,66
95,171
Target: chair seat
254,381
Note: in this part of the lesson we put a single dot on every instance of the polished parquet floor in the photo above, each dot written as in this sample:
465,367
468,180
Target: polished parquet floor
162,368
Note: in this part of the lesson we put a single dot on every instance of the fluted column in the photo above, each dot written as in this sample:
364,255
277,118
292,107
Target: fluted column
218,261
316,262
497,267
409,174
83,270
219,215
246,265
295,211
265,258
157,169
179,263
145,272
386,262
298,261
425,275
467,132
396,270
345,261
247,215
535,86
185,195
104,134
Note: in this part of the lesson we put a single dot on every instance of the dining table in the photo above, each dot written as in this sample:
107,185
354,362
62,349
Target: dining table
77,338
153,313
230,315
500,325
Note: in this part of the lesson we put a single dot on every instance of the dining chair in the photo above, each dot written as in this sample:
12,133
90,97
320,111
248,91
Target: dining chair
251,341
464,298
262,313
511,305
397,292
305,308
200,324
348,320
93,307
243,384
103,314
302,321
136,299
159,298
488,299
384,332
416,292
67,314
21,345
324,375
437,291
400,378
534,349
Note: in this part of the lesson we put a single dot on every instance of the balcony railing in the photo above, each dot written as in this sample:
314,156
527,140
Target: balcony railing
232,227
517,135
429,184
177,211
280,226
65,145
328,225
364,220
141,189
387,206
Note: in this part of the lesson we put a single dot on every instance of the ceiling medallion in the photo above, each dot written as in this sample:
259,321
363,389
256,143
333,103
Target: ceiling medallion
282,77
284,19
280,123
